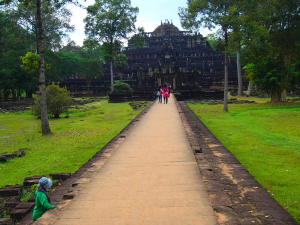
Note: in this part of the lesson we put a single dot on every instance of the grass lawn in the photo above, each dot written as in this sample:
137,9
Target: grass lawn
266,140
73,142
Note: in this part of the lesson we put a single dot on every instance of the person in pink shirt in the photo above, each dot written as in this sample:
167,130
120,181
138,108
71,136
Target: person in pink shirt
166,94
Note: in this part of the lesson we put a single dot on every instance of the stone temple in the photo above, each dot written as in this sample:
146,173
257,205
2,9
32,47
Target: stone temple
182,59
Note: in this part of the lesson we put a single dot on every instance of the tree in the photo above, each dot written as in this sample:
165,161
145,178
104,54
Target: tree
58,102
56,21
41,8
210,13
121,88
271,36
42,79
15,41
138,39
109,21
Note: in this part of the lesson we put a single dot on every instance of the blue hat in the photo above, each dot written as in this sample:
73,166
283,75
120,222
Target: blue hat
45,182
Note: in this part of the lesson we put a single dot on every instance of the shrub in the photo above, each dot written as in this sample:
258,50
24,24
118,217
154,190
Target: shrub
58,101
122,88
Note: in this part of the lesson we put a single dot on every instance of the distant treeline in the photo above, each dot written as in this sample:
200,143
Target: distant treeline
18,69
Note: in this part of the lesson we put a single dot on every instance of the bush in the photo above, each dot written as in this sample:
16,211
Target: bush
58,101
121,88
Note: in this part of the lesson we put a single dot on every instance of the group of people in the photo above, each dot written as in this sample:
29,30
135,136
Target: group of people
163,93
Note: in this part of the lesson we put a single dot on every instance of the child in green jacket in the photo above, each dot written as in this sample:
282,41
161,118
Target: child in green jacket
42,200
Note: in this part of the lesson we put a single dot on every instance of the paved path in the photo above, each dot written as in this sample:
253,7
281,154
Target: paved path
152,179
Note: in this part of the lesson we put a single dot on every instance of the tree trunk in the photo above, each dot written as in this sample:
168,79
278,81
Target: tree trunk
226,73
249,90
283,95
275,97
42,79
239,73
111,77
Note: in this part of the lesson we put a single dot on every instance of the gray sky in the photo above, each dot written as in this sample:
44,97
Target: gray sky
151,13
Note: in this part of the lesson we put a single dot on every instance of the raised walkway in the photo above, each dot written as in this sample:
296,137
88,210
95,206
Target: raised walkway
151,179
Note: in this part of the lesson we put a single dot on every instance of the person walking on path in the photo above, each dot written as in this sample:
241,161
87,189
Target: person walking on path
166,95
159,95
42,200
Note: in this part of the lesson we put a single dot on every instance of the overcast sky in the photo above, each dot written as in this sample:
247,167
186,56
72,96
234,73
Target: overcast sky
151,13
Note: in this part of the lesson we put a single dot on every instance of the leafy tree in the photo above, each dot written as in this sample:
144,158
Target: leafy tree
58,101
210,14
30,62
56,21
138,39
15,41
121,88
41,10
271,36
120,61
267,31
84,62
109,21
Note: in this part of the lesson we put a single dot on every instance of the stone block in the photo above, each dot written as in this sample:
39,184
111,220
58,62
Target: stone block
11,204
20,152
18,214
29,181
10,191
60,176
25,205
6,221
68,196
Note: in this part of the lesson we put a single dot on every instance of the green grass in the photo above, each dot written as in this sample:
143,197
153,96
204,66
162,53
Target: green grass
266,140
73,142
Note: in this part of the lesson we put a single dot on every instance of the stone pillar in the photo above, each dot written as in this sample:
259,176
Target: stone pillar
159,81
174,83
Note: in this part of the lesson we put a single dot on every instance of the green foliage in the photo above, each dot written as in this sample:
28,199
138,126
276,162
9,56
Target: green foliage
73,142
268,145
28,192
215,41
270,75
58,101
15,41
120,60
138,39
122,88
56,20
30,62
104,13
266,32
109,21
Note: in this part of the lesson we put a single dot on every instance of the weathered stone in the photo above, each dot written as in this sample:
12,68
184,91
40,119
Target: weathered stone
60,176
11,204
25,205
10,191
17,214
6,221
68,196
198,150
6,157
20,152
29,181
75,184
